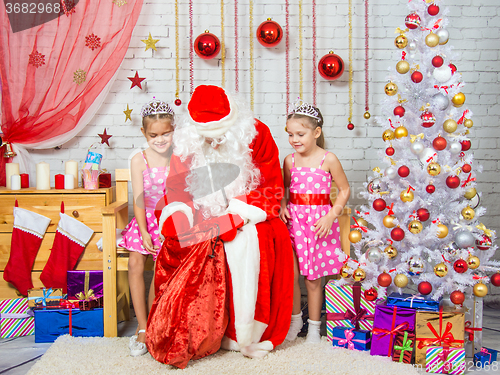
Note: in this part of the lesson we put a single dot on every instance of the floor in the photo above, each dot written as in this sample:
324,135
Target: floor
17,355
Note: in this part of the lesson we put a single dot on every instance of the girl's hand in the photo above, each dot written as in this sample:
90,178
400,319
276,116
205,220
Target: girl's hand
284,214
324,225
147,243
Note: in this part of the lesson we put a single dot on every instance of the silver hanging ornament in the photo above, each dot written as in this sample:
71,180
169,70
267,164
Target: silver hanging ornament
416,266
417,147
440,101
374,254
464,239
391,172
374,186
451,248
443,36
455,147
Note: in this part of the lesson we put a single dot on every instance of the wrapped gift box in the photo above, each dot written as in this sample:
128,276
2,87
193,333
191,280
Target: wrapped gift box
16,318
84,284
44,297
351,339
485,357
403,347
52,323
443,328
441,360
412,301
105,180
387,323
344,304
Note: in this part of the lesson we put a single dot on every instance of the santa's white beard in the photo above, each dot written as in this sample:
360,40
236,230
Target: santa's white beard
235,150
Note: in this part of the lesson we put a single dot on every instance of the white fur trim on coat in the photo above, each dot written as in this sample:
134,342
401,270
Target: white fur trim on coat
248,212
169,209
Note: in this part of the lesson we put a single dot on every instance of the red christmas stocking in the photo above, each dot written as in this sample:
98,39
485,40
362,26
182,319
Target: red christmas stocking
69,242
27,236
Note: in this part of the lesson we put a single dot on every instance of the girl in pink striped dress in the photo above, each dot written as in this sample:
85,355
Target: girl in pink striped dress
307,211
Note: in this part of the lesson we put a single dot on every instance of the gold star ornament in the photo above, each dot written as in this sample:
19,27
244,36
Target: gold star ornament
150,42
128,112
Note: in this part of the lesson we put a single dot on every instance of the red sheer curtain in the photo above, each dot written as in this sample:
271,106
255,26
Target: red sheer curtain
52,74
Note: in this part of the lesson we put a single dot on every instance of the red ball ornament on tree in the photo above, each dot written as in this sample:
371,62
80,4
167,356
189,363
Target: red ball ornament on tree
397,234
379,204
457,297
453,68
452,182
350,126
331,66
269,33
439,143
417,77
177,102
412,21
466,168
384,279
430,189
428,119
460,266
423,214
433,9
437,61
371,294
399,111
495,279
484,244
389,151
425,288
207,45
465,145
403,171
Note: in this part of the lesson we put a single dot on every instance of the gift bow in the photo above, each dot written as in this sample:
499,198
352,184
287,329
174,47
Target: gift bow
43,298
87,295
487,232
485,351
349,341
411,298
471,330
443,357
66,304
444,339
405,346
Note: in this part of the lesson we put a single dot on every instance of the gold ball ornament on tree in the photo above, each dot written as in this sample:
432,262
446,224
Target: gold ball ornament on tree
415,226
366,115
388,135
440,270
355,236
468,123
480,290
473,262
345,271
362,222
470,193
433,169
391,251
450,125
468,213
442,231
388,221
391,89
458,100
400,132
432,40
401,41
407,195
401,280
403,67
359,274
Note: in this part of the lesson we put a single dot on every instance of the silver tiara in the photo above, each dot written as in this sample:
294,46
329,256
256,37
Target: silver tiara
301,108
155,107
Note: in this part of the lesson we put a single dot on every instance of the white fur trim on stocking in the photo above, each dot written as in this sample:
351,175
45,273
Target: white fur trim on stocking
257,350
169,209
73,229
254,214
30,222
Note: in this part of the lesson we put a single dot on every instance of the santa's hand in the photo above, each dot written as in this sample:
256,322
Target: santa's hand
228,226
175,224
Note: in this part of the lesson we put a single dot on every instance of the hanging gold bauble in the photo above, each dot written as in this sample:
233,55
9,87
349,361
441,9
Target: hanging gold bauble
391,251
359,274
400,132
388,135
389,221
450,125
345,271
391,89
415,226
401,280
432,40
433,169
440,270
355,236
407,195
458,99
403,67
468,213
401,41
367,115
473,262
468,123
480,290
362,222
442,230
470,193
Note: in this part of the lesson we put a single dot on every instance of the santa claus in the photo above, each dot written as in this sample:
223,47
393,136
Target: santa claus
224,275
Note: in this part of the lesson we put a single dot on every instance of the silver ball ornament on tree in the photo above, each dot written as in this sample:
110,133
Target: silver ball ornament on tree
375,185
391,172
455,147
417,147
443,35
464,239
416,266
412,45
442,74
440,101
374,254
451,248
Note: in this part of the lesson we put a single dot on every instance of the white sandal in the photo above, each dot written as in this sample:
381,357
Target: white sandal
137,348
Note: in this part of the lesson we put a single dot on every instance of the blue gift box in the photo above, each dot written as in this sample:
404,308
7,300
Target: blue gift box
350,338
485,357
412,301
52,323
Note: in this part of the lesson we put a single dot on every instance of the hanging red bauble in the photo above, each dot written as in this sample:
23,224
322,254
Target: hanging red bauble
453,68
371,294
452,182
417,76
460,266
397,234
269,33
399,111
428,119
466,168
379,204
465,145
350,126
433,9
423,214
384,279
495,279
439,143
485,243
425,288
457,297
389,151
177,102
437,61
207,45
331,66
430,189
412,21
403,171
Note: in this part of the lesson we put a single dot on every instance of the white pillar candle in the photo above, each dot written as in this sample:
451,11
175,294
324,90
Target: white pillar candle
71,167
10,169
69,181
15,182
43,176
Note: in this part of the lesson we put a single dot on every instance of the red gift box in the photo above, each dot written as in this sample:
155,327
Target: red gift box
105,180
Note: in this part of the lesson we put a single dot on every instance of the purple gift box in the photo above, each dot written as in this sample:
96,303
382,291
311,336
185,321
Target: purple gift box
388,321
83,282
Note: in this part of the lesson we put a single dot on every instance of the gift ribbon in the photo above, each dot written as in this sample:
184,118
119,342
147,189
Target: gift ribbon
348,340
28,314
487,232
441,339
356,315
485,352
416,296
87,293
381,332
405,346
43,299
443,356
471,330
357,226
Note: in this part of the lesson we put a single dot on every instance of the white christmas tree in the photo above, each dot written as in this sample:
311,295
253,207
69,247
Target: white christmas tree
423,223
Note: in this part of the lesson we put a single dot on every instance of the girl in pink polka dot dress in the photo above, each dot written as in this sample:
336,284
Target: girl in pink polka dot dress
307,211
149,170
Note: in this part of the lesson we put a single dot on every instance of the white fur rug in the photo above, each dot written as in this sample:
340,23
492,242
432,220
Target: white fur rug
79,355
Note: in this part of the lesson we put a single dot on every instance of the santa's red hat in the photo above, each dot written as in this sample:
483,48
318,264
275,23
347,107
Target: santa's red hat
212,111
